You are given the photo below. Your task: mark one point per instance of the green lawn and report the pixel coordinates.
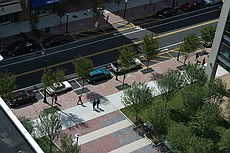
(45, 145)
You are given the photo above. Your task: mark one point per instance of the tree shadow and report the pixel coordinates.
(155, 75)
(70, 120)
(178, 116)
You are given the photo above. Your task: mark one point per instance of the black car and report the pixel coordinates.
(54, 40)
(22, 47)
(98, 75)
(21, 97)
(166, 12)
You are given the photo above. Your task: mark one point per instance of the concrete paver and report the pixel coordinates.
(104, 131)
(132, 146)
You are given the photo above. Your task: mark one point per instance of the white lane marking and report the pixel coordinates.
(94, 42)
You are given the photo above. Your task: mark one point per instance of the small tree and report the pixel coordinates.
(118, 2)
(216, 89)
(49, 125)
(159, 118)
(83, 67)
(68, 145)
(34, 21)
(179, 138)
(190, 44)
(207, 35)
(7, 84)
(224, 144)
(169, 83)
(137, 97)
(150, 47)
(205, 120)
(49, 77)
(193, 98)
(126, 59)
(61, 9)
(196, 74)
(197, 144)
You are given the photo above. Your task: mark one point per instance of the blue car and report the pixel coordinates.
(98, 75)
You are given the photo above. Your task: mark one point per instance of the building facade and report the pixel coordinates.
(20, 10)
(220, 53)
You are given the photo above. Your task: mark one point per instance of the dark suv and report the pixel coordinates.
(54, 40)
(22, 97)
(98, 75)
(166, 12)
(22, 47)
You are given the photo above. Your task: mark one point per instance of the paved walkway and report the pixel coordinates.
(107, 129)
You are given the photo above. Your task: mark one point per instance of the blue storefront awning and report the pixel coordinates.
(39, 3)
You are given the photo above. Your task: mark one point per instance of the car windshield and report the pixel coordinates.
(57, 86)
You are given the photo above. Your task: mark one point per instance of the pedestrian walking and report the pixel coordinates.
(203, 62)
(107, 19)
(55, 98)
(94, 104)
(197, 56)
(98, 103)
(80, 100)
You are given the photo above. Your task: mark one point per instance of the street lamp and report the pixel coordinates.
(126, 2)
(77, 135)
(44, 53)
(67, 22)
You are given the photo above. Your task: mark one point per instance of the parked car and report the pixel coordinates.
(22, 47)
(54, 41)
(190, 6)
(21, 97)
(98, 75)
(118, 68)
(58, 88)
(211, 2)
(166, 12)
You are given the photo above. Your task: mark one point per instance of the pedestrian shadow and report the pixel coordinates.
(69, 119)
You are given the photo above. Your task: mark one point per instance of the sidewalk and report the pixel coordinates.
(107, 129)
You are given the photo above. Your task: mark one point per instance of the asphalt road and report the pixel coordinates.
(103, 49)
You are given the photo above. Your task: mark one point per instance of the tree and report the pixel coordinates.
(207, 35)
(83, 67)
(197, 144)
(34, 21)
(126, 59)
(7, 84)
(179, 138)
(61, 9)
(118, 2)
(190, 44)
(159, 118)
(168, 84)
(49, 125)
(98, 9)
(216, 89)
(68, 145)
(49, 77)
(224, 144)
(205, 120)
(150, 47)
(195, 74)
(137, 97)
(193, 98)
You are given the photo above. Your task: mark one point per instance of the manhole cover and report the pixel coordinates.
(85, 13)
(74, 16)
